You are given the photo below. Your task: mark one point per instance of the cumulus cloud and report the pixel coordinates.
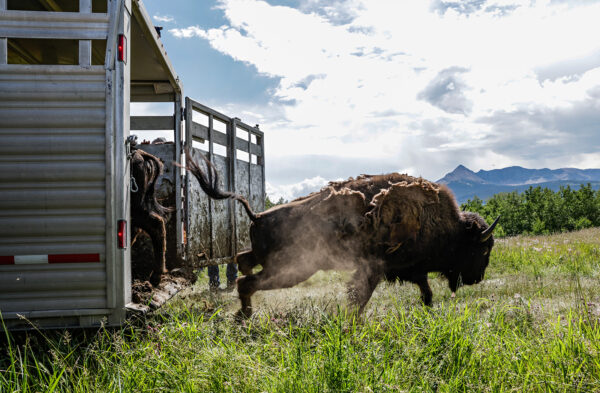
(466, 7)
(290, 192)
(188, 32)
(463, 6)
(297, 167)
(572, 68)
(163, 18)
(545, 134)
(417, 85)
(337, 12)
(447, 91)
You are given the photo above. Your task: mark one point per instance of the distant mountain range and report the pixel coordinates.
(466, 184)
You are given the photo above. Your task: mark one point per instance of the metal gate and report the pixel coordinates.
(217, 230)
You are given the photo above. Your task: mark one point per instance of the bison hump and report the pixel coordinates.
(344, 209)
(396, 212)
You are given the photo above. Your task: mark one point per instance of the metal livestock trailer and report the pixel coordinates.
(68, 72)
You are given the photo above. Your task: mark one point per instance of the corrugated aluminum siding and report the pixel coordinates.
(52, 187)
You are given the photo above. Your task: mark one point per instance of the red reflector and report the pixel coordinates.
(122, 234)
(7, 260)
(122, 49)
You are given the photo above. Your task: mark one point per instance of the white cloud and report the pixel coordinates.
(352, 79)
(152, 109)
(188, 32)
(291, 191)
(163, 18)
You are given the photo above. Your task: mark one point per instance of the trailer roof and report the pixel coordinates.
(153, 77)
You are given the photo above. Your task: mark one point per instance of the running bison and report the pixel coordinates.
(146, 212)
(390, 226)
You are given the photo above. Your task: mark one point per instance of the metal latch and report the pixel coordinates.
(130, 141)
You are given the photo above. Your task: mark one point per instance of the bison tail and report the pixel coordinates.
(247, 207)
(209, 182)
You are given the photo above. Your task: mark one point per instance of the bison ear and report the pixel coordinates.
(485, 235)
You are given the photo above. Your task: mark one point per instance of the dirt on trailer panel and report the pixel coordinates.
(143, 295)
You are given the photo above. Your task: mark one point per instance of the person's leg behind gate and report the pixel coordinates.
(213, 277)
(231, 273)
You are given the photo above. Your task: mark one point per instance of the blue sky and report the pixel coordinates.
(344, 87)
(209, 76)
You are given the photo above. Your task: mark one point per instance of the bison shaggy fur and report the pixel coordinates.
(147, 213)
(392, 227)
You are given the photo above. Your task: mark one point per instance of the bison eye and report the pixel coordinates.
(486, 251)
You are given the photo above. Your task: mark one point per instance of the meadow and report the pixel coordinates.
(533, 325)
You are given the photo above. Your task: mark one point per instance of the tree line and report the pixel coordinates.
(540, 210)
(269, 203)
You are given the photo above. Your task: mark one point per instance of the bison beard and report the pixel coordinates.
(390, 226)
(146, 212)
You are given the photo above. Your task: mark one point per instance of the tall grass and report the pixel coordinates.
(532, 325)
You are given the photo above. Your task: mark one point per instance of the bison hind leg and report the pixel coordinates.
(268, 279)
(246, 286)
(246, 260)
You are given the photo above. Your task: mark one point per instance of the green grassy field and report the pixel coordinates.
(532, 325)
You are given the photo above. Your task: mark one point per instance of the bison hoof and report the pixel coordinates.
(244, 313)
(155, 279)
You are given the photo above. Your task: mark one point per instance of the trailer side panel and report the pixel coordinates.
(52, 190)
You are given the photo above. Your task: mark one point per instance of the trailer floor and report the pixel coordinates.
(144, 295)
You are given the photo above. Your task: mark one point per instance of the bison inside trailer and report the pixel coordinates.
(69, 70)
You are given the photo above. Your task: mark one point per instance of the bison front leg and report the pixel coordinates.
(426, 294)
(360, 289)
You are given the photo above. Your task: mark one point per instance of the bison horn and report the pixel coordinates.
(485, 235)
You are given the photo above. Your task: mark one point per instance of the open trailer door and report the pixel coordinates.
(217, 230)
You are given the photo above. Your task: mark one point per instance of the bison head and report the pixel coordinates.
(474, 251)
